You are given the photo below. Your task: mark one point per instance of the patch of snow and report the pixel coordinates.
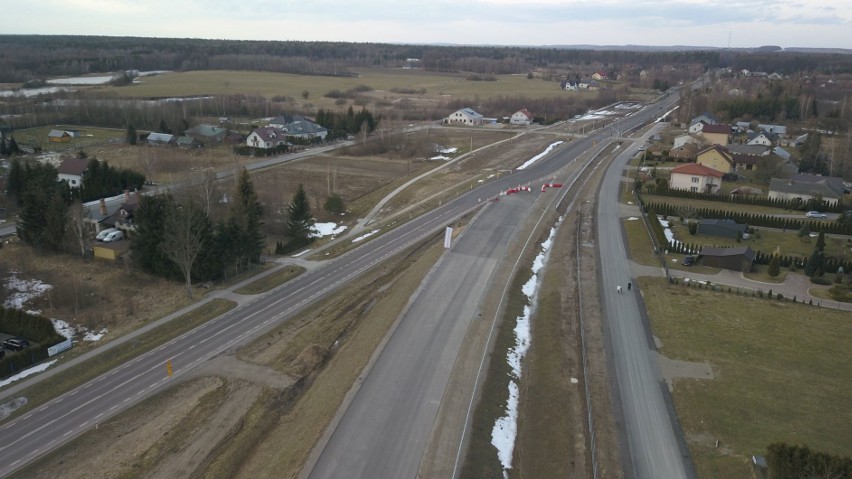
(11, 406)
(505, 429)
(327, 229)
(574, 380)
(440, 157)
(63, 328)
(632, 218)
(364, 236)
(668, 231)
(27, 372)
(492, 175)
(539, 156)
(299, 253)
(94, 336)
(448, 151)
(21, 291)
(31, 92)
(99, 80)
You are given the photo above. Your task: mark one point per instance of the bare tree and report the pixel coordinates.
(183, 236)
(76, 220)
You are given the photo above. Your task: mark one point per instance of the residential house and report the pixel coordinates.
(465, 116)
(207, 134)
(746, 162)
(684, 152)
(806, 187)
(681, 140)
(584, 83)
(761, 138)
(521, 117)
(716, 134)
(282, 121)
(739, 258)
(568, 85)
(779, 130)
(696, 127)
(705, 117)
(742, 126)
(187, 142)
(723, 228)
(72, 170)
(59, 136)
(746, 192)
(266, 137)
(160, 139)
(753, 150)
(305, 130)
(599, 75)
(696, 178)
(716, 157)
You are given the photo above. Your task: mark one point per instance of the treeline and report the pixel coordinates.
(178, 239)
(787, 461)
(349, 123)
(792, 204)
(100, 180)
(33, 56)
(46, 218)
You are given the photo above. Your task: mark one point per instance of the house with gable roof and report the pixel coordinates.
(72, 170)
(761, 138)
(716, 134)
(706, 117)
(716, 157)
(696, 178)
(465, 116)
(266, 137)
(805, 187)
(207, 133)
(521, 117)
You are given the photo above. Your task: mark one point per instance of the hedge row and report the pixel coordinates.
(751, 219)
(38, 330)
(793, 462)
(813, 204)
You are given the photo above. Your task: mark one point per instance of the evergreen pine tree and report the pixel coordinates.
(300, 221)
(774, 266)
(247, 215)
(131, 135)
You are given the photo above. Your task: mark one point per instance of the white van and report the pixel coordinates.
(116, 235)
(103, 234)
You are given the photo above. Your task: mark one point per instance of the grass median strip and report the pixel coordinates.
(271, 281)
(71, 378)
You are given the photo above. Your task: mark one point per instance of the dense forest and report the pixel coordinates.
(28, 57)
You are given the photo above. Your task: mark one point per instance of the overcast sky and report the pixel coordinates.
(718, 23)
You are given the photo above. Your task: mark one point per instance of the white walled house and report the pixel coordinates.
(465, 116)
(696, 178)
(521, 117)
(71, 170)
(266, 137)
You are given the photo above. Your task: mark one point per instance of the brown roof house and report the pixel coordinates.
(72, 170)
(739, 258)
(716, 134)
(696, 178)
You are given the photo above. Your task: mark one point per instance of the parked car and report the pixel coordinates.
(688, 260)
(15, 344)
(816, 214)
(116, 235)
(103, 234)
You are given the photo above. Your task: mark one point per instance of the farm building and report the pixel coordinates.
(723, 228)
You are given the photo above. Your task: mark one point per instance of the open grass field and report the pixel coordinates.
(781, 374)
(381, 80)
(89, 137)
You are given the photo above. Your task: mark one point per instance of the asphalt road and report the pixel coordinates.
(387, 426)
(60, 420)
(652, 441)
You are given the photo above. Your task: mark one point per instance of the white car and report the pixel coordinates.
(116, 235)
(816, 214)
(103, 234)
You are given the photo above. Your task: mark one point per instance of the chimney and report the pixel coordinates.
(127, 196)
(136, 197)
(103, 207)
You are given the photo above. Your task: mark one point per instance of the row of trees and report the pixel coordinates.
(661, 188)
(349, 123)
(786, 461)
(177, 238)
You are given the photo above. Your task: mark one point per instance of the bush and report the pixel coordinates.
(820, 280)
(334, 204)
